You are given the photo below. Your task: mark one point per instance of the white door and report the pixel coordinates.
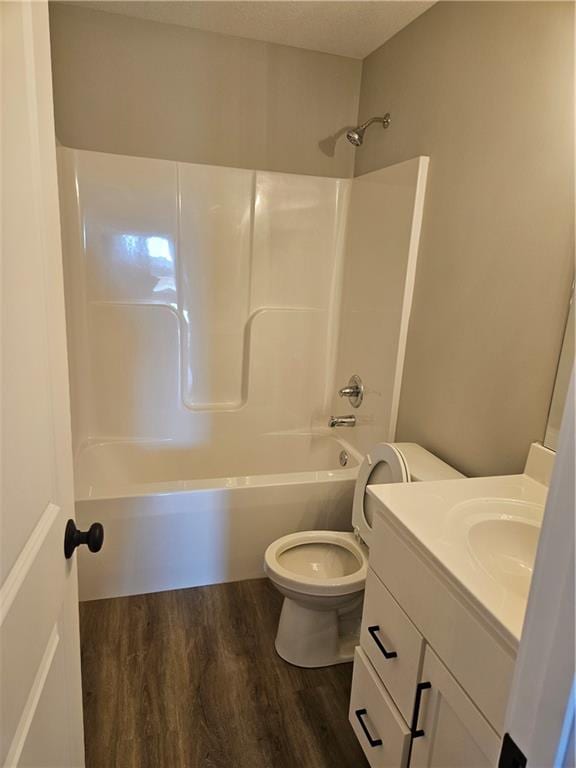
(455, 735)
(40, 692)
(541, 716)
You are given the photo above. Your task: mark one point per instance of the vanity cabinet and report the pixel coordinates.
(481, 660)
(406, 707)
(430, 679)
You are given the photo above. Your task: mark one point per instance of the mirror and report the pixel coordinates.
(563, 372)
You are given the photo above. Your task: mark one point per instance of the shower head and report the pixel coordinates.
(356, 135)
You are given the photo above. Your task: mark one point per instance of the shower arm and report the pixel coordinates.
(384, 120)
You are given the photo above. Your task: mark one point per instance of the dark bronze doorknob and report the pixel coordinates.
(93, 537)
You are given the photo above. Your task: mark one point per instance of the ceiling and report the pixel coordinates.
(344, 27)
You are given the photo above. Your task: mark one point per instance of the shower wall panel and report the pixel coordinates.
(199, 297)
(383, 232)
(294, 241)
(215, 207)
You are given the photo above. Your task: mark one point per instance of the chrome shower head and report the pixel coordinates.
(356, 135)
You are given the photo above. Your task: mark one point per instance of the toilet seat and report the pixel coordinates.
(321, 585)
(384, 464)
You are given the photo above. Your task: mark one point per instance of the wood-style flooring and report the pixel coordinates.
(190, 679)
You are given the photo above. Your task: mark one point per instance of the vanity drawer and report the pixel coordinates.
(379, 727)
(387, 630)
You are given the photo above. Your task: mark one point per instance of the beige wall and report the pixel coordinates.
(128, 86)
(485, 89)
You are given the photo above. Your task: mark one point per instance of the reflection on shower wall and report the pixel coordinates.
(200, 299)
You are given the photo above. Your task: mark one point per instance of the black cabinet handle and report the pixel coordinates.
(416, 732)
(387, 654)
(373, 742)
(93, 538)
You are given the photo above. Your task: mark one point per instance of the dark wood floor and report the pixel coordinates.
(190, 679)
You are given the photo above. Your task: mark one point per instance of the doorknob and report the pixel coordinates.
(93, 537)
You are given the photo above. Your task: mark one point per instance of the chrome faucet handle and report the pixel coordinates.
(349, 391)
(354, 390)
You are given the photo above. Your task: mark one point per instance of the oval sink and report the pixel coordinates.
(506, 550)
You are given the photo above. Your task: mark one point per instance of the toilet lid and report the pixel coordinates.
(383, 464)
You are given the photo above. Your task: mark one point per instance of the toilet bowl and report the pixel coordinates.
(322, 574)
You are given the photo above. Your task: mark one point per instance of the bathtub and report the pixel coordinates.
(179, 516)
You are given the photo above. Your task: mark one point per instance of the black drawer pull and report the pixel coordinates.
(418, 732)
(387, 654)
(373, 742)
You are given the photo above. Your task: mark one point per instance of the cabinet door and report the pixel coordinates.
(455, 734)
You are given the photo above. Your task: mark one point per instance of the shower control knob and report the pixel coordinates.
(349, 391)
(354, 391)
(93, 538)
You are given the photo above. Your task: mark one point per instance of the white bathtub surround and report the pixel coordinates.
(204, 306)
(540, 463)
(322, 573)
(202, 297)
(198, 297)
(380, 260)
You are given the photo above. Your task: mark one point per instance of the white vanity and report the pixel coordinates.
(449, 574)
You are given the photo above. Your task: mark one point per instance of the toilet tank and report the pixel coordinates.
(424, 466)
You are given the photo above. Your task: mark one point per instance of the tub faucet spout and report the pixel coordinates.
(342, 421)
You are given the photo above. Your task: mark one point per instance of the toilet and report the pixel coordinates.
(322, 573)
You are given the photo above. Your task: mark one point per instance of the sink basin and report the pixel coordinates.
(501, 537)
(506, 549)
(482, 532)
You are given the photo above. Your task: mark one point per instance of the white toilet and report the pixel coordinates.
(322, 573)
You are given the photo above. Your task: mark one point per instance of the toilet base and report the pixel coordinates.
(308, 637)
